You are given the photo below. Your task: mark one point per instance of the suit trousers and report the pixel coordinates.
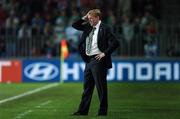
(95, 74)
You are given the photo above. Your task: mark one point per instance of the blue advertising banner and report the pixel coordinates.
(146, 70)
(41, 70)
(123, 70)
(129, 70)
(72, 70)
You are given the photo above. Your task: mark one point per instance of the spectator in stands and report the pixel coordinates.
(37, 24)
(24, 37)
(139, 46)
(37, 27)
(12, 21)
(111, 19)
(46, 50)
(48, 29)
(11, 25)
(128, 35)
(59, 28)
(148, 27)
(146, 20)
(74, 16)
(72, 34)
(2, 15)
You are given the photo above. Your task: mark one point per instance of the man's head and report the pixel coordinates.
(94, 16)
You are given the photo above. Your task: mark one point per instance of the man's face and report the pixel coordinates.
(93, 20)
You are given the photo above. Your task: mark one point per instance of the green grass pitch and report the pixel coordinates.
(126, 101)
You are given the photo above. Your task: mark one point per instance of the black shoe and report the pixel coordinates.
(79, 114)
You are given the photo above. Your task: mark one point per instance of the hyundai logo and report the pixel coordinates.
(41, 71)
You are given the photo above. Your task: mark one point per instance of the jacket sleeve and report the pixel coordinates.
(80, 25)
(113, 42)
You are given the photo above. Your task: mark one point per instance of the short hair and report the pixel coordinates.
(95, 12)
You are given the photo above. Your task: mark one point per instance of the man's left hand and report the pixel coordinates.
(99, 56)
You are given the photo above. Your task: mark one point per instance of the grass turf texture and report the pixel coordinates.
(126, 101)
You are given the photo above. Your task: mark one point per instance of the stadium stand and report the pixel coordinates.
(34, 28)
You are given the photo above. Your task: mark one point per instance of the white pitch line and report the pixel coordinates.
(46, 103)
(20, 116)
(29, 93)
(43, 104)
(23, 114)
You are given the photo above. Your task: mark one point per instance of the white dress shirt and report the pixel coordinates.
(94, 47)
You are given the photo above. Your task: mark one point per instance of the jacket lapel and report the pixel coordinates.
(84, 36)
(100, 32)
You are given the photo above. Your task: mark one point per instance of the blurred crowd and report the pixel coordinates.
(36, 27)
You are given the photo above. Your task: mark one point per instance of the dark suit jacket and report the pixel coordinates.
(107, 42)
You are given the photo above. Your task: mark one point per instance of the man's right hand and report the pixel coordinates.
(85, 17)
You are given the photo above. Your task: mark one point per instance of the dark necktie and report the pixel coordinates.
(89, 41)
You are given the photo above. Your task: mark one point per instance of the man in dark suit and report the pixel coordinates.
(96, 46)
